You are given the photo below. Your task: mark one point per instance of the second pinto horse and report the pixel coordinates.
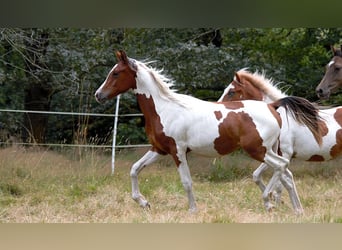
(296, 140)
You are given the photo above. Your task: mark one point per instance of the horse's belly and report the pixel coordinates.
(203, 144)
(311, 151)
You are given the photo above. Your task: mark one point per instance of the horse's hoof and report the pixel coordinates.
(193, 210)
(146, 206)
(299, 211)
(269, 208)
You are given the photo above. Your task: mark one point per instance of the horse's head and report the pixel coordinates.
(241, 89)
(332, 79)
(120, 79)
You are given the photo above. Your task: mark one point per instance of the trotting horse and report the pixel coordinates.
(176, 124)
(332, 80)
(296, 140)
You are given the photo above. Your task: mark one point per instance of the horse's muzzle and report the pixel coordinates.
(100, 97)
(322, 94)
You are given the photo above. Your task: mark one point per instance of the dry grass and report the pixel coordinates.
(39, 185)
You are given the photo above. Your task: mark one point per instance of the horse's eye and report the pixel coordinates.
(231, 93)
(337, 69)
(115, 74)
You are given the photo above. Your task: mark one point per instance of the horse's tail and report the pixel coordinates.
(304, 112)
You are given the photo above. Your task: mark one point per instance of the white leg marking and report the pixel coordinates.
(147, 159)
(280, 173)
(278, 189)
(289, 184)
(257, 176)
(185, 176)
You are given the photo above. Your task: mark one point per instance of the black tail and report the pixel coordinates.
(304, 112)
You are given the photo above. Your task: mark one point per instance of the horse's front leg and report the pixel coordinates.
(147, 159)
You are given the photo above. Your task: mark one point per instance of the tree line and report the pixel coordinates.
(59, 69)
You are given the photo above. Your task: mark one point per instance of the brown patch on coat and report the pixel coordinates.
(161, 143)
(233, 105)
(316, 158)
(238, 130)
(275, 114)
(218, 115)
(337, 148)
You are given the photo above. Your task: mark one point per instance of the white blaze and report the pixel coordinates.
(331, 63)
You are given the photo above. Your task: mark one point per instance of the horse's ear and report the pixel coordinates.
(118, 55)
(121, 56)
(237, 77)
(333, 50)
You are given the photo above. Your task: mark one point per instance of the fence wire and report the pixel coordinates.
(113, 146)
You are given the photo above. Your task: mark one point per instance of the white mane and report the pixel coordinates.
(162, 82)
(266, 85)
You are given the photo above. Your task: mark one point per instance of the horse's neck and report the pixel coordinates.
(153, 109)
(152, 100)
(147, 106)
(269, 92)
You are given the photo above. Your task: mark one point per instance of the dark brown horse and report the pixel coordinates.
(332, 80)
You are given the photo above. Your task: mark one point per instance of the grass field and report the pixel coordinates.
(41, 185)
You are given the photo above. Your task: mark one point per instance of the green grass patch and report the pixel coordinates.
(235, 166)
(11, 189)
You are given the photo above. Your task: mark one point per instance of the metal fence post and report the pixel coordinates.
(116, 117)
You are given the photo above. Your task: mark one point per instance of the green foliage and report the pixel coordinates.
(200, 61)
(10, 189)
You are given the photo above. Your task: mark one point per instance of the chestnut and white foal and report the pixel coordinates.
(176, 124)
(296, 140)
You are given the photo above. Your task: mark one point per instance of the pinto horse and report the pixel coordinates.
(332, 80)
(177, 124)
(296, 140)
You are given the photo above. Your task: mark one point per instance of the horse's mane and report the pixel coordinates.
(266, 85)
(163, 83)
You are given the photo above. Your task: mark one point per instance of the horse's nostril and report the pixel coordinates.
(98, 96)
(319, 91)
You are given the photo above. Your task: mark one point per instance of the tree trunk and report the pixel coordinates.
(38, 92)
(36, 98)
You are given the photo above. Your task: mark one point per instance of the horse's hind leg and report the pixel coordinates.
(289, 184)
(281, 173)
(257, 178)
(147, 159)
(278, 164)
(185, 176)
